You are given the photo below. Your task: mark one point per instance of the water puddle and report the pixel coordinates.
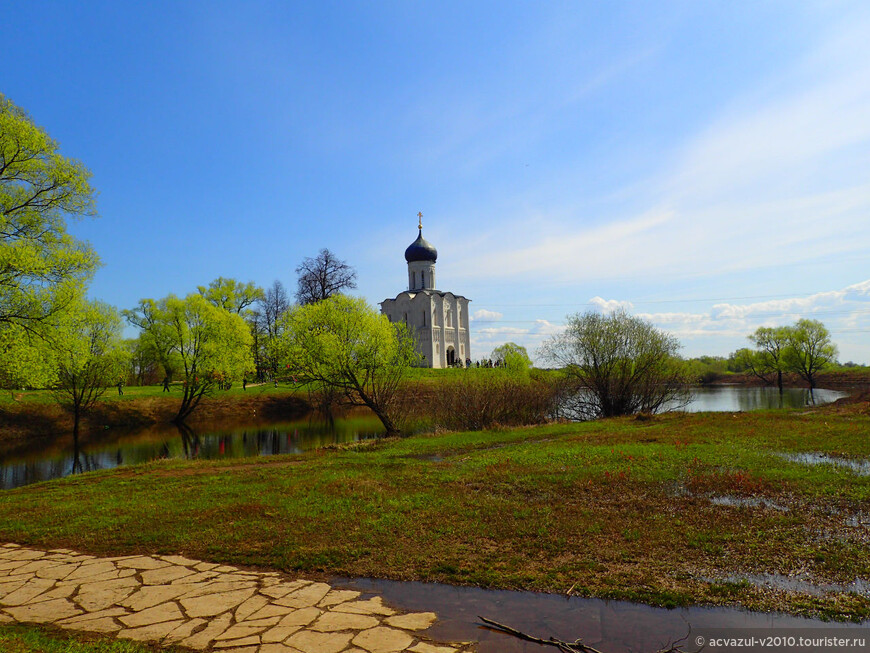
(747, 502)
(427, 457)
(860, 466)
(803, 583)
(610, 626)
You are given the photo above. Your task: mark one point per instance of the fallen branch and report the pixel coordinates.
(577, 646)
(566, 647)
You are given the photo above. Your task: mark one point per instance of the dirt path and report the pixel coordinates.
(201, 605)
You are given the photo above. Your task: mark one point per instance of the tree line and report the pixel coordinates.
(52, 336)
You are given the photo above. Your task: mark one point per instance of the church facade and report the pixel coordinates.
(438, 320)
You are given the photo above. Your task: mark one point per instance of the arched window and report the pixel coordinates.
(422, 279)
(424, 318)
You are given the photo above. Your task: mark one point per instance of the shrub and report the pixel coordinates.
(497, 398)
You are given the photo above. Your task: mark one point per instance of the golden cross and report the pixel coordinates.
(420, 220)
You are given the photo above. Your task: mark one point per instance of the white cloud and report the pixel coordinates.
(845, 312)
(722, 328)
(483, 314)
(609, 305)
(485, 340)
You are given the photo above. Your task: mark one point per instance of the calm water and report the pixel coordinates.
(221, 441)
(737, 398)
(611, 626)
(242, 441)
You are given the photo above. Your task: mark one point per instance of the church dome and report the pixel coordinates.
(421, 250)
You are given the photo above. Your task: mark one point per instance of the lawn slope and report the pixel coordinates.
(619, 508)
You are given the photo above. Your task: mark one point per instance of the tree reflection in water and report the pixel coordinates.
(190, 442)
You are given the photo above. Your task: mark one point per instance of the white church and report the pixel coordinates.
(438, 320)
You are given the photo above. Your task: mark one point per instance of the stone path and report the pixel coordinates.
(175, 600)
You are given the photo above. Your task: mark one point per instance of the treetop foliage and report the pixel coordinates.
(43, 269)
(804, 348)
(232, 295)
(513, 356)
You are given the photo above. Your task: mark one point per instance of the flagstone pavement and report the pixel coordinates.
(201, 605)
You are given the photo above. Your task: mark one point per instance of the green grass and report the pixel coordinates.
(616, 508)
(20, 638)
(134, 392)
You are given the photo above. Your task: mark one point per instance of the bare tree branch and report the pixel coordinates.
(322, 277)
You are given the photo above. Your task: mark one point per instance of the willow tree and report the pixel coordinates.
(772, 344)
(157, 337)
(620, 365)
(342, 344)
(89, 356)
(231, 294)
(210, 345)
(43, 269)
(512, 356)
(809, 349)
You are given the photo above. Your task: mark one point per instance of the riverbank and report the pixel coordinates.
(855, 381)
(675, 510)
(32, 416)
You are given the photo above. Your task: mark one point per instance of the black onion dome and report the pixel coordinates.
(421, 250)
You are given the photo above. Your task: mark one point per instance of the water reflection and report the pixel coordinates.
(858, 466)
(67, 456)
(739, 398)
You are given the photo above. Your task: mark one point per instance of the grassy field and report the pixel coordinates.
(616, 509)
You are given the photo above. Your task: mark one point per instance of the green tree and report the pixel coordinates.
(752, 361)
(619, 364)
(231, 295)
(341, 344)
(705, 369)
(144, 369)
(512, 356)
(771, 343)
(90, 356)
(157, 337)
(211, 345)
(809, 350)
(43, 269)
(26, 360)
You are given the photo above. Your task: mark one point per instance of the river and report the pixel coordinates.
(114, 448)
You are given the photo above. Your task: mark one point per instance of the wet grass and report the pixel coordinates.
(614, 509)
(20, 638)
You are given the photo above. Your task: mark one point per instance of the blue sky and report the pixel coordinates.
(703, 164)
